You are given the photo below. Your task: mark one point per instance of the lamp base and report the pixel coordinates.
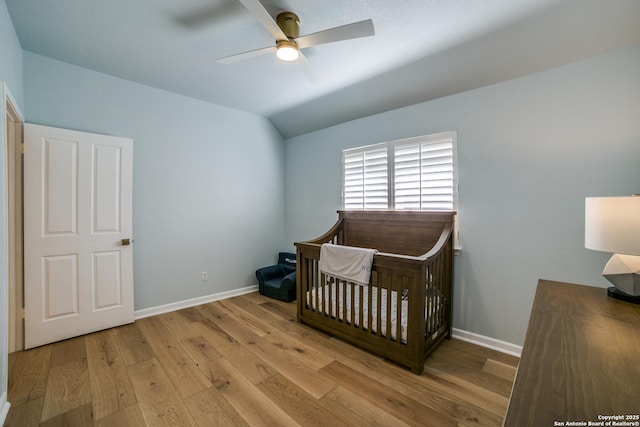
(614, 292)
(623, 271)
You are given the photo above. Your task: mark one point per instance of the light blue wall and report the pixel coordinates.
(208, 181)
(10, 55)
(529, 150)
(11, 75)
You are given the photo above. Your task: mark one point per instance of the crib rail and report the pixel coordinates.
(403, 312)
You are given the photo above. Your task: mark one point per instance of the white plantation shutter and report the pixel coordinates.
(411, 174)
(424, 173)
(365, 180)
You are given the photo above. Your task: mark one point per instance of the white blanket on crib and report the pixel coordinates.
(347, 262)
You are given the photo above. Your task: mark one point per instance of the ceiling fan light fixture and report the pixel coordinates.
(287, 50)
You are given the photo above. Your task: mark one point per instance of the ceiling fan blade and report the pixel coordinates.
(345, 32)
(261, 14)
(307, 68)
(245, 55)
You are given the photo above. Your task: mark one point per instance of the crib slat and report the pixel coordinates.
(433, 292)
(316, 291)
(399, 311)
(434, 286)
(352, 303)
(388, 314)
(394, 302)
(436, 289)
(310, 282)
(379, 310)
(372, 285)
(438, 286)
(343, 288)
(429, 300)
(331, 294)
(361, 307)
(313, 281)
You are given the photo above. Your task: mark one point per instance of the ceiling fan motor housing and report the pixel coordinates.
(289, 23)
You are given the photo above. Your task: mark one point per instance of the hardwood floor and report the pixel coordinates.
(245, 361)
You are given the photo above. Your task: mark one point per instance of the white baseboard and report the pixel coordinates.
(4, 408)
(152, 311)
(492, 343)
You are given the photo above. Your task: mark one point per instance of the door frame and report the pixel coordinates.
(14, 120)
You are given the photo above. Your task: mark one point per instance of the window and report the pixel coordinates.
(410, 174)
(366, 180)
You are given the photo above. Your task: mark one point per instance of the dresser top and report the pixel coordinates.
(580, 361)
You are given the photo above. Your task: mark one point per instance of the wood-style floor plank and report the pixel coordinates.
(358, 411)
(111, 388)
(254, 297)
(466, 361)
(499, 369)
(470, 392)
(405, 408)
(298, 349)
(159, 402)
(67, 351)
(255, 324)
(210, 409)
(273, 312)
(299, 404)
(133, 345)
(25, 415)
(246, 398)
(28, 379)
(222, 318)
(80, 416)
(130, 416)
(191, 314)
(471, 372)
(199, 349)
(251, 366)
(180, 368)
(246, 361)
(68, 388)
(280, 309)
(178, 325)
(293, 366)
(434, 393)
(459, 345)
(262, 312)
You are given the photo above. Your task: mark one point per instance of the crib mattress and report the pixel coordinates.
(337, 300)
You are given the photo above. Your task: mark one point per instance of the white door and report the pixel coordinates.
(78, 264)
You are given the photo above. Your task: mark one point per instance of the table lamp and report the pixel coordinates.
(612, 224)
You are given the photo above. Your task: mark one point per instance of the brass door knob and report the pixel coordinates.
(126, 242)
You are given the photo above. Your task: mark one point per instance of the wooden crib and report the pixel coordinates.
(408, 299)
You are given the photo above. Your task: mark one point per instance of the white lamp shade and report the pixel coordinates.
(612, 224)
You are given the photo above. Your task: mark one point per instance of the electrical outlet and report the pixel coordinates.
(203, 276)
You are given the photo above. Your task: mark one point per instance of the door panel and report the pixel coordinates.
(60, 176)
(106, 189)
(77, 210)
(60, 286)
(107, 286)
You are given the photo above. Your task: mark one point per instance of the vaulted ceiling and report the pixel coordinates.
(422, 49)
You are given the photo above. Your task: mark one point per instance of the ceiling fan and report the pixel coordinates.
(285, 29)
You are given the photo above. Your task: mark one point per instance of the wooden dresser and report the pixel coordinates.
(580, 361)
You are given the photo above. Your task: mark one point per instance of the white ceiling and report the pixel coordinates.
(423, 49)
